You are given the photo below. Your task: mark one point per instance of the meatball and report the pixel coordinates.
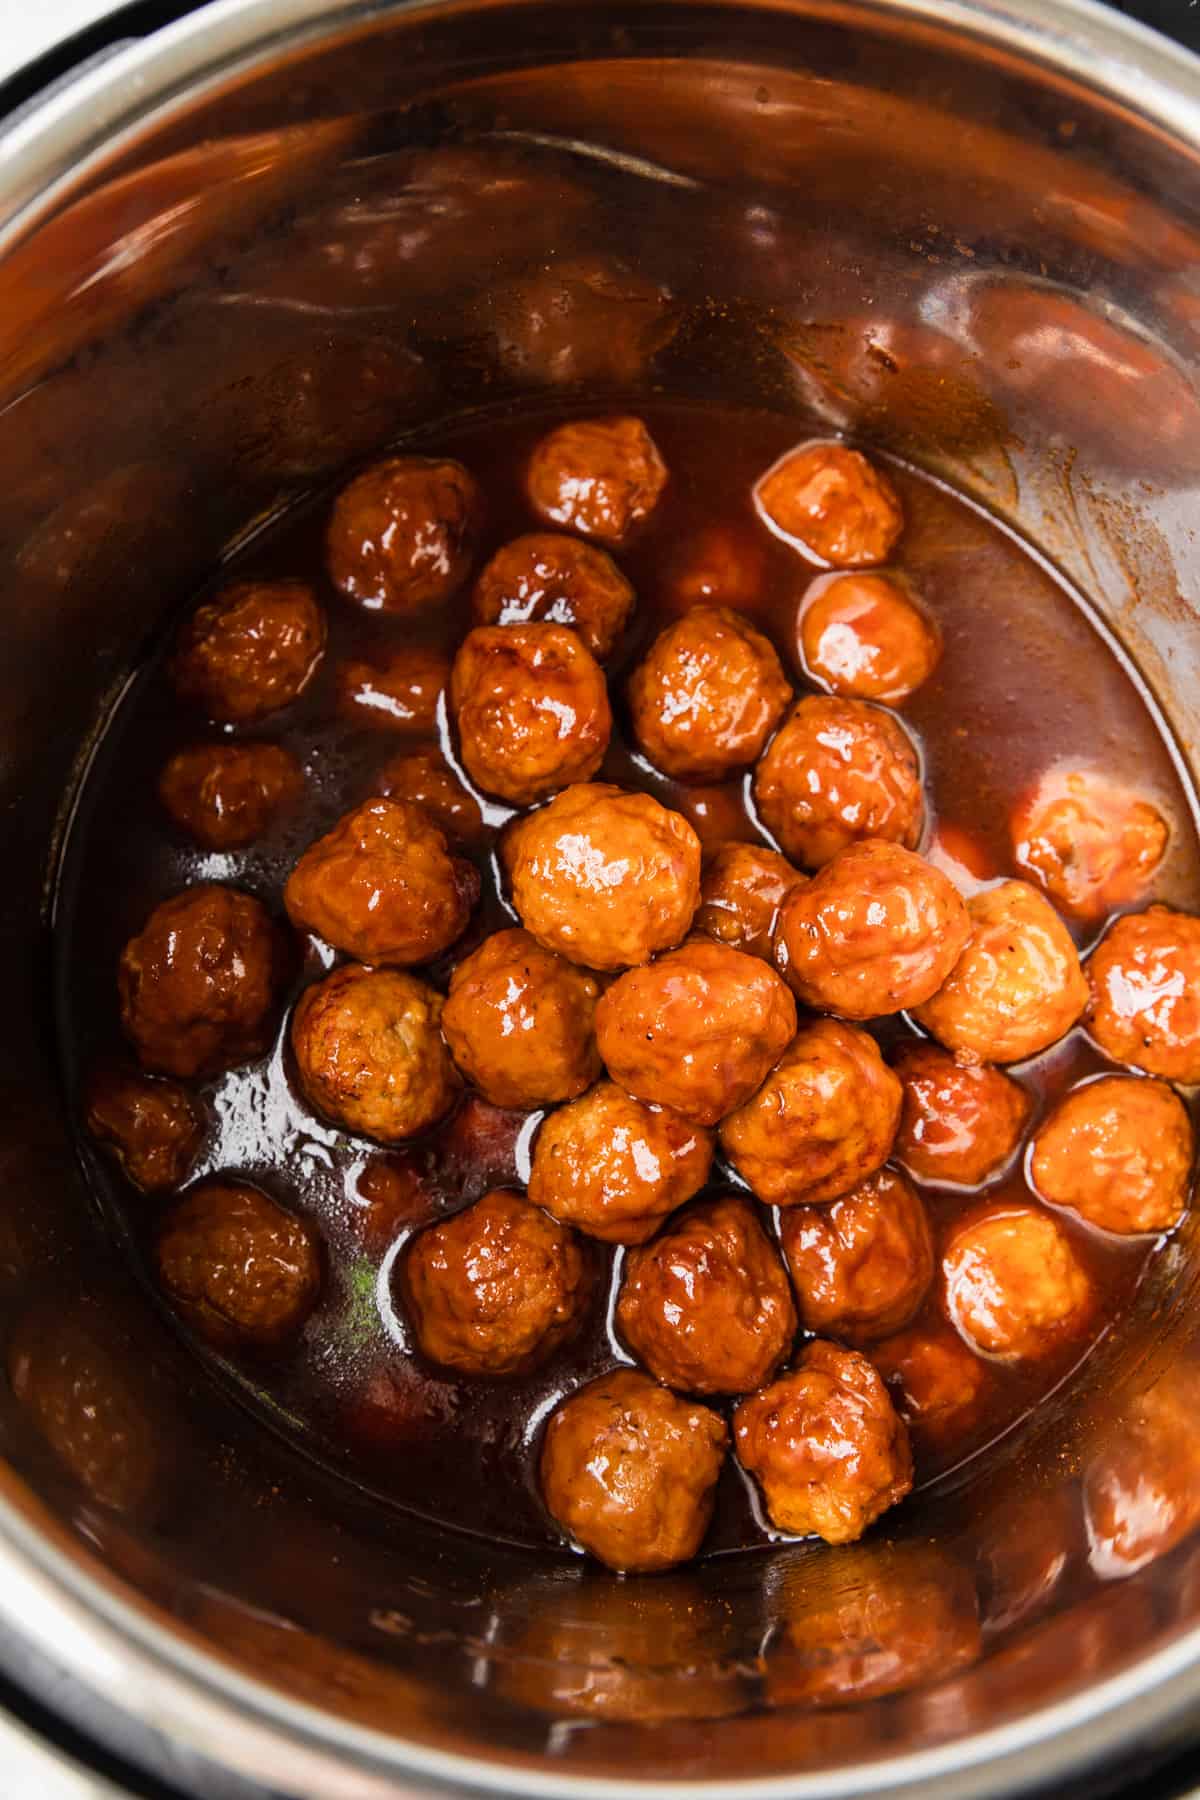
(496, 1289)
(531, 705)
(707, 695)
(238, 1268)
(1017, 987)
(830, 502)
(721, 565)
(252, 649)
(864, 635)
(1093, 846)
(1119, 1152)
(154, 1126)
(519, 1022)
(877, 930)
(823, 1120)
(825, 1445)
(399, 692)
(1014, 1287)
(630, 1471)
(936, 1383)
(742, 889)
(198, 984)
(960, 1124)
(861, 1266)
(401, 535)
(838, 771)
(548, 577)
(369, 1052)
(1144, 1008)
(226, 795)
(599, 477)
(706, 1306)
(382, 887)
(606, 878)
(614, 1166)
(425, 778)
(697, 1030)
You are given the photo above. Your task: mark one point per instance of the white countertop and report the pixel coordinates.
(28, 28)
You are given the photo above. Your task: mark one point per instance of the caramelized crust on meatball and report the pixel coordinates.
(838, 771)
(861, 1266)
(830, 502)
(519, 1021)
(401, 535)
(252, 649)
(742, 888)
(154, 1127)
(237, 1267)
(1119, 1152)
(1014, 1287)
(549, 577)
(865, 635)
(936, 1383)
(960, 1124)
(1144, 978)
(425, 778)
(707, 695)
(226, 795)
(531, 705)
(398, 692)
(599, 477)
(1091, 845)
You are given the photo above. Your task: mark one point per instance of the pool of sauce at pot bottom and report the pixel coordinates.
(1026, 680)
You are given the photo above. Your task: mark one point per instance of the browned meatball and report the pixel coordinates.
(1091, 845)
(1014, 1287)
(1017, 987)
(425, 778)
(707, 695)
(1119, 1152)
(250, 650)
(226, 795)
(832, 503)
(198, 984)
(861, 1266)
(398, 692)
(401, 535)
(706, 1306)
(866, 636)
(696, 1030)
(1144, 978)
(742, 889)
(519, 1021)
(531, 705)
(838, 771)
(936, 1383)
(630, 1472)
(496, 1289)
(719, 565)
(382, 887)
(599, 477)
(825, 1445)
(960, 1124)
(823, 1120)
(876, 931)
(237, 1267)
(369, 1052)
(606, 878)
(615, 1167)
(550, 577)
(153, 1126)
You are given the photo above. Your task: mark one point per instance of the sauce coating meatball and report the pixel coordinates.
(599, 477)
(519, 1021)
(199, 982)
(531, 705)
(862, 1265)
(823, 1120)
(696, 1030)
(835, 772)
(606, 878)
(830, 502)
(742, 888)
(1144, 979)
(825, 1445)
(369, 1052)
(226, 795)
(425, 778)
(1014, 1287)
(936, 1383)
(721, 565)
(1091, 845)
(237, 1267)
(865, 636)
(547, 576)
(630, 1471)
(153, 1126)
(1017, 987)
(401, 535)
(876, 931)
(707, 1306)
(250, 650)
(382, 887)
(960, 1124)
(707, 695)
(1119, 1152)
(398, 692)
(496, 1289)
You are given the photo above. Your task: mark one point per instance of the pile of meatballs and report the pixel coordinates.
(660, 1007)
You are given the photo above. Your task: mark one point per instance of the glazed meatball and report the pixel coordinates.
(237, 1267)
(706, 1306)
(838, 771)
(1144, 1009)
(1119, 1152)
(615, 1167)
(250, 650)
(198, 984)
(557, 580)
(153, 1126)
(876, 931)
(1017, 987)
(630, 1471)
(742, 889)
(425, 778)
(865, 635)
(1014, 1287)
(696, 1030)
(604, 877)
(960, 1124)
(398, 692)
(825, 1445)
(707, 695)
(823, 1120)
(382, 887)
(369, 1052)
(721, 565)
(936, 1383)
(496, 1289)
(862, 1265)
(531, 705)
(599, 477)
(519, 1021)
(1091, 845)
(226, 795)
(402, 534)
(830, 502)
